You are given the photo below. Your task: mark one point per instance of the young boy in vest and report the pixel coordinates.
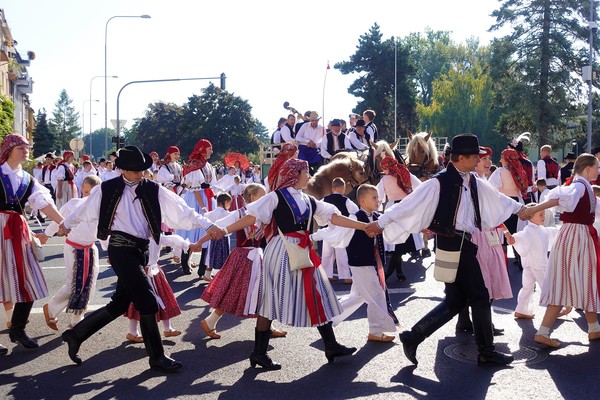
(330, 254)
(547, 167)
(368, 284)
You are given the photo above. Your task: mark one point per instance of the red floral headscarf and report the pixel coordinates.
(9, 142)
(289, 174)
(399, 171)
(516, 169)
(488, 151)
(288, 150)
(170, 150)
(197, 159)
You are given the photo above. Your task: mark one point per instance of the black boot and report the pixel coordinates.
(259, 355)
(185, 259)
(19, 319)
(464, 324)
(430, 323)
(202, 266)
(332, 348)
(395, 264)
(154, 346)
(83, 330)
(484, 336)
(3, 350)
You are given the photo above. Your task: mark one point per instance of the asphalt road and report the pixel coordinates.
(113, 368)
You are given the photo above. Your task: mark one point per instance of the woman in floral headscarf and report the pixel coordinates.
(288, 150)
(21, 278)
(198, 178)
(396, 184)
(303, 297)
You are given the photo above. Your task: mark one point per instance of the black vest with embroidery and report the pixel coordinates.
(68, 174)
(7, 205)
(361, 250)
(341, 142)
(451, 189)
(338, 200)
(284, 215)
(146, 192)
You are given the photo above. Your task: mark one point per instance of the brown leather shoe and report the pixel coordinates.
(134, 339)
(518, 315)
(277, 333)
(51, 322)
(381, 337)
(211, 333)
(171, 333)
(545, 340)
(594, 335)
(348, 281)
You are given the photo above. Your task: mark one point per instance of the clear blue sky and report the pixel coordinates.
(270, 51)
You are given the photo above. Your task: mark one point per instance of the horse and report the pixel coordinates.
(343, 165)
(422, 157)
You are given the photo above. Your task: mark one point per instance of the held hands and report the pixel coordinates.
(526, 213)
(62, 231)
(372, 229)
(42, 237)
(196, 247)
(509, 238)
(216, 233)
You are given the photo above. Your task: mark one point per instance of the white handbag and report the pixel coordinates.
(38, 250)
(298, 257)
(446, 264)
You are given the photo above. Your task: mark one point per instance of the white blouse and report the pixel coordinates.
(40, 196)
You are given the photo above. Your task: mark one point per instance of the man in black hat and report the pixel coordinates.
(359, 139)
(130, 209)
(567, 170)
(334, 141)
(451, 205)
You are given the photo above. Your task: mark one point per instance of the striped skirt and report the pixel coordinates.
(281, 291)
(32, 286)
(190, 199)
(571, 275)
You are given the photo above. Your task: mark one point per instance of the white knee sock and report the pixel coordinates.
(207, 273)
(212, 320)
(167, 325)
(9, 314)
(76, 318)
(543, 331)
(133, 327)
(593, 327)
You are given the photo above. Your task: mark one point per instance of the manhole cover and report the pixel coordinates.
(467, 352)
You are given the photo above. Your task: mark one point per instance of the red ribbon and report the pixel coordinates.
(209, 196)
(86, 260)
(594, 234)
(16, 229)
(312, 296)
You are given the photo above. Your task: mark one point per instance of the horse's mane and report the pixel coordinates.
(418, 145)
(383, 148)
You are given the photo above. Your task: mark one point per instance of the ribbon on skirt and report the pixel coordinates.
(594, 234)
(312, 296)
(16, 229)
(381, 276)
(80, 291)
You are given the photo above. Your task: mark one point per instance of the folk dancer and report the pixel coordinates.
(131, 224)
(63, 179)
(548, 168)
(309, 140)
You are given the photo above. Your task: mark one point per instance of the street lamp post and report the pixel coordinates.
(106, 73)
(91, 82)
(593, 25)
(153, 81)
(83, 114)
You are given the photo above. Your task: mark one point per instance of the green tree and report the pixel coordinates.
(224, 119)
(546, 49)
(43, 139)
(158, 129)
(261, 132)
(374, 62)
(430, 55)
(64, 123)
(7, 116)
(98, 142)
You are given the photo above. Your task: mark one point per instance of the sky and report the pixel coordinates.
(270, 51)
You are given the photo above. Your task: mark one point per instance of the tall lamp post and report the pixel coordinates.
(106, 73)
(91, 82)
(593, 26)
(83, 114)
(221, 77)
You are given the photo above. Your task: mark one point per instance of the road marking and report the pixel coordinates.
(391, 291)
(63, 267)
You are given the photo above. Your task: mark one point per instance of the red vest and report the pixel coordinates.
(552, 167)
(583, 213)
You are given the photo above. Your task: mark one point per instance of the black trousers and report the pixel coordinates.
(129, 256)
(468, 288)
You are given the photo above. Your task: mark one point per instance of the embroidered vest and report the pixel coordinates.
(330, 144)
(451, 189)
(146, 192)
(361, 248)
(68, 173)
(338, 200)
(49, 170)
(15, 201)
(552, 167)
(284, 216)
(584, 211)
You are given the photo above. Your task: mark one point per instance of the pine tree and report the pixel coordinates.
(43, 139)
(64, 123)
(7, 116)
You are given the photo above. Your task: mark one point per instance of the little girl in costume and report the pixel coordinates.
(218, 249)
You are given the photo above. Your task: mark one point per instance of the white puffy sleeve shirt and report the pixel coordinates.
(40, 196)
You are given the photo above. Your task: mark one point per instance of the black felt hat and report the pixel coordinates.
(466, 144)
(570, 156)
(131, 158)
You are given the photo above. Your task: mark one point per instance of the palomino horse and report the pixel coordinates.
(343, 165)
(422, 156)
